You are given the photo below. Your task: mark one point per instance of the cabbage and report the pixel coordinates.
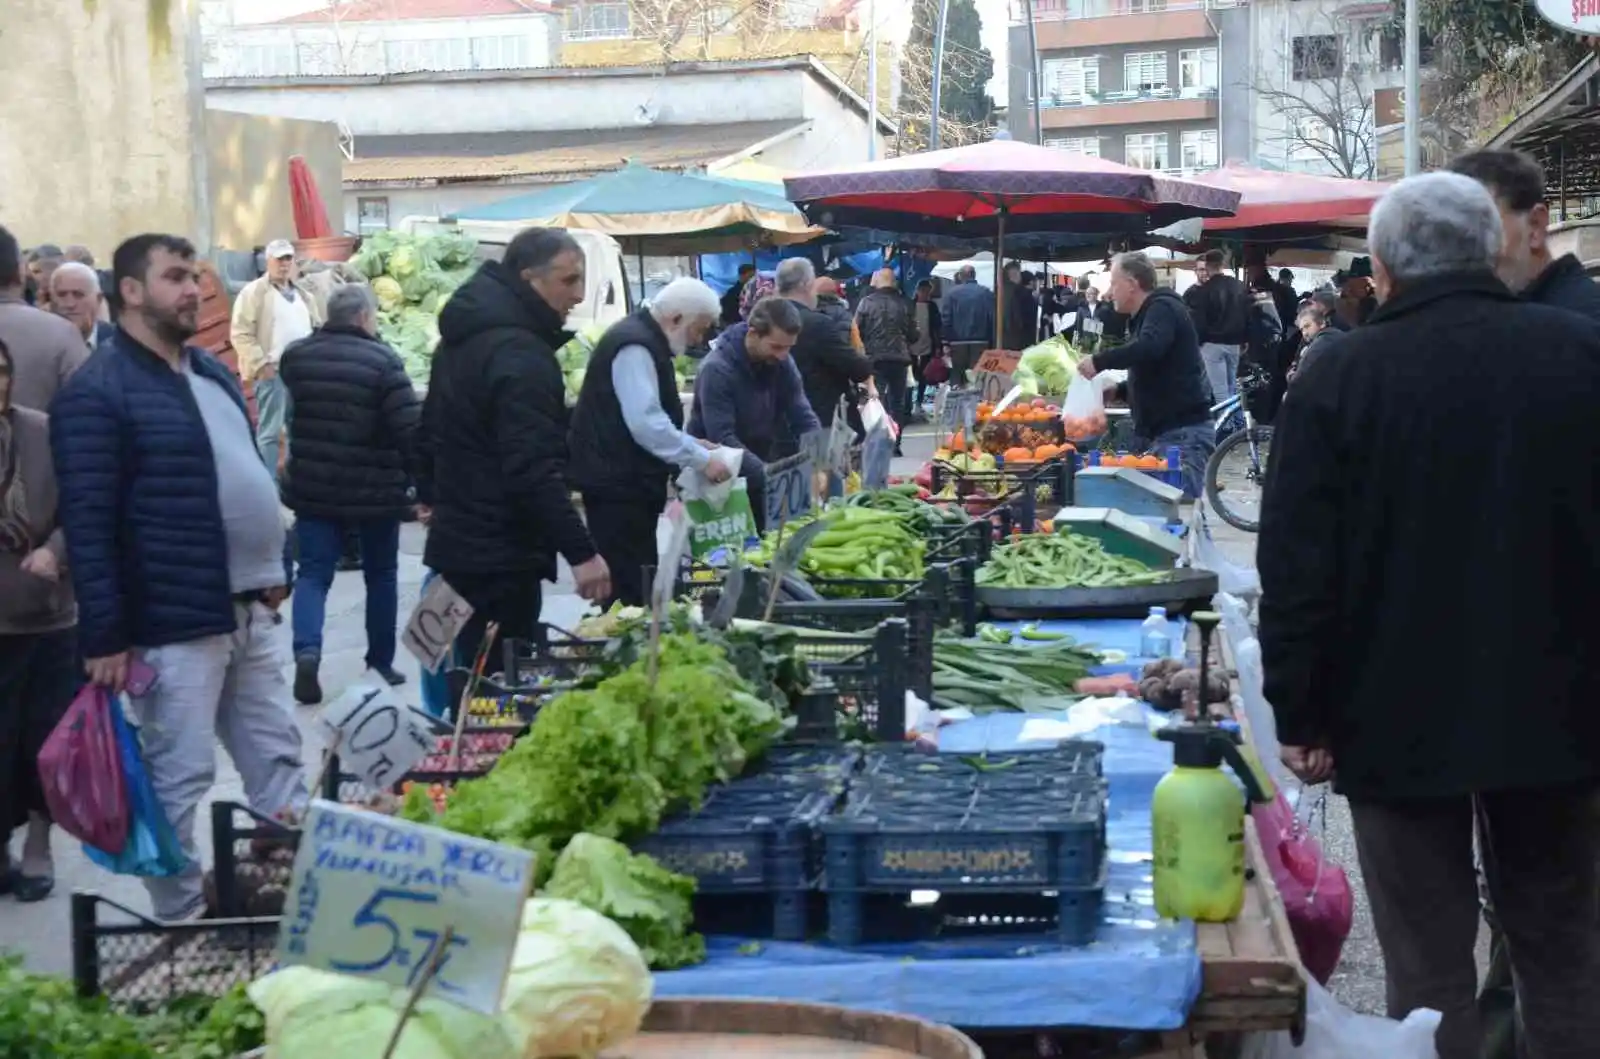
(578, 983)
(652, 904)
(454, 249)
(1050, 364)
(388, 292)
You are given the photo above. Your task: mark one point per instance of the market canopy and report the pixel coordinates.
(1291, 202)
(1003, 186)
(647, 209)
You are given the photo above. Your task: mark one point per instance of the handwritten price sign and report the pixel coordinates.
(439, 618)
(789, 486)
(373, 895)
(378, 738)
(992, 374)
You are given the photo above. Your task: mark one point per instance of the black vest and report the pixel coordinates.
(604, 461)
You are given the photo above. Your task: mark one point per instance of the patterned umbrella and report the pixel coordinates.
(1272, 199)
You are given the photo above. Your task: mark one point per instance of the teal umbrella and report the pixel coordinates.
(666, 213)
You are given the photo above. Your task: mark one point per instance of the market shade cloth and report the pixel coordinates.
(971, 192)
(1269, 198)
(310, 215)
(648, 209)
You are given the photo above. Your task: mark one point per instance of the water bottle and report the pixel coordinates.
(1155, 635)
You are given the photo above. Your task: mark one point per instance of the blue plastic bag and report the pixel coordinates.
(152, 848)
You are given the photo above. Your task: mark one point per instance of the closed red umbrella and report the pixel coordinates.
(310, 215)
(1268, 198)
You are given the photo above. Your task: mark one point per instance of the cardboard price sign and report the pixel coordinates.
(992, 374)
(440, 615)
(379, 897)
(377, 738)
(789, 488)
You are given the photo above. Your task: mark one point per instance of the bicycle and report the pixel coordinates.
(1237, 469)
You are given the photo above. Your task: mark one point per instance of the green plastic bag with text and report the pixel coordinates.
(729, 526)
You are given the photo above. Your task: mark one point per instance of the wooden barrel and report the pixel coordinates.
(723, 1029)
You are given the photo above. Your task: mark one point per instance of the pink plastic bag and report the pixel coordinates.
(80, 768)
(1316, 892)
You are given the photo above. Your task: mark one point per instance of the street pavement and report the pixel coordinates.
(41, 932)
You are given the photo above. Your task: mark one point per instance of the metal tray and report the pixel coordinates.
(1185, 588)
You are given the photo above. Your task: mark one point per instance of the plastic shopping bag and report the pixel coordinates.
(713, 526)
(1316, 892)
(80, 768)
(152, 848)
(1083, 412)
(937, 370)
(1333, 1031)
(874, 418)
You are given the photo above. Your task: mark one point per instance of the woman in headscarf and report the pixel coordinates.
(39, 667)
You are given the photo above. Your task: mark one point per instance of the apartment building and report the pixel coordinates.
(1134, 81)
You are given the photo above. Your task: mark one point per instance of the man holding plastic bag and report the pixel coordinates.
(627, 431)
(1167, 388)
(748, 394)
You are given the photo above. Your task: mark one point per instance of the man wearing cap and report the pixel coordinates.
(271, 312)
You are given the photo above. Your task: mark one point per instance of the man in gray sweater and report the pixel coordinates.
(45, 348)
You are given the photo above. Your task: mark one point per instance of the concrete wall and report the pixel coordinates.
(545, 100)
(429, 202)
(248, 161)
(99, 134)
(1236, 97)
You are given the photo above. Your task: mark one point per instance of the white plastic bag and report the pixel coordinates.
(1083, 413)
(694, 485)
(1333, 1031)
(1242, 581)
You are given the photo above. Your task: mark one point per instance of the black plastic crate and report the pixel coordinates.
(141, 963)
(873, 680)
(974, 541)
(252, 861)
(1047, 487)
(1071, 915)
(1072, 761)
(822, 767)
(754, 843)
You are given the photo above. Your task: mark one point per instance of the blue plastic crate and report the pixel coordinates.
(1068, 762)
(963, 837)
(1071, 914)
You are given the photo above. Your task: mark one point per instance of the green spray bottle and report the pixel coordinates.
(1197, 813)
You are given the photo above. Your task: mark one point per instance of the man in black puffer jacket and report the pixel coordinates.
(494, 429)
(351, 444)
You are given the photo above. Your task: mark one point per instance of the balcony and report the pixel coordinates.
(1122, 23)
(1128, 108)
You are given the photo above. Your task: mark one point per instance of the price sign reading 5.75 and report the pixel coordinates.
(375, 896)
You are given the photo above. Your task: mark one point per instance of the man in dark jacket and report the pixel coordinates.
(1220, 306)
(1167, 390)
(494, 428)
(729, 305)
(928, 344)
(829, 363)
(177, 552)
(627, 431)
(968, 311)
(1517, 184)
(1022, 309)
(1357, 579)
(352, 442)
(888, 327)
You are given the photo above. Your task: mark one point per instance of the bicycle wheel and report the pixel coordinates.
(1235, 475)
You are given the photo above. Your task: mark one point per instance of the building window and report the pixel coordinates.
(1197, 68)
(1317, 57)
(499, 53)
(1145, 150)
(597, 20)
(1071, 81)
(372, 215)
(1089, 145)
(1199, 147)
(1144, 71)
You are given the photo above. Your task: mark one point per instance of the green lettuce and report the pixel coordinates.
(654, 905)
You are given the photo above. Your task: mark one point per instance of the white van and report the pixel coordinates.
(607, 297)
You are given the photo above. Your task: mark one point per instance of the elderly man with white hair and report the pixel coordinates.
(75, 297)
(627, 434)
(1432, 487)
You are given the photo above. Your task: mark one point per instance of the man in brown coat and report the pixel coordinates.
(46, 348)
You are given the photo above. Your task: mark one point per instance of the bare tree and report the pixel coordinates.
(684, 29)
(915, 104)
(1326, 103)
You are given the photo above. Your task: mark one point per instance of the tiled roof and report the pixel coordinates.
(549, 157)
(401, 10)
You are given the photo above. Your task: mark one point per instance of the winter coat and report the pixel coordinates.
(750, 406)
(1221, 310)
(253, 322)
(352, 438)
(137, 482)
(1367, 580)
(1566, 285)
(1167, 386)
(829, 364)
(495, 435)
(888, 326)
(968, 310)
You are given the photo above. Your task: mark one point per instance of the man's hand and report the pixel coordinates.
(110, 672)
(273, 597)
(268, 372)
(1312, 764)
(1087, 369)
(594, 580)
(717, 472)
(42, 563)
(424, 514)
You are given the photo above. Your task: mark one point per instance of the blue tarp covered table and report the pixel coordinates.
(1139, 974)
